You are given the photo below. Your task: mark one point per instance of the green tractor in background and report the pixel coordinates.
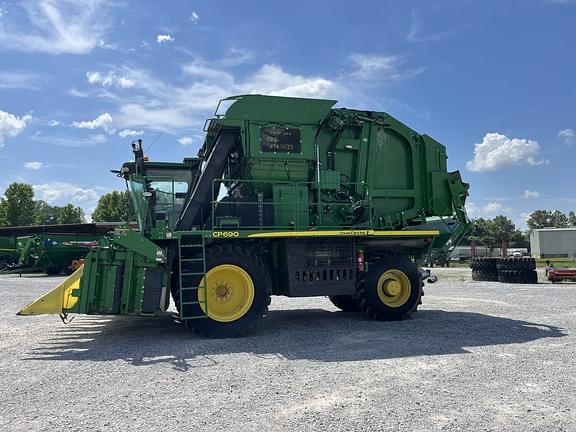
(8, 252)
(50, 249)
(52, 254)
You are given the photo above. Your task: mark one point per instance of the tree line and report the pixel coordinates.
(551, 219)
(493, 232)
(19, 207)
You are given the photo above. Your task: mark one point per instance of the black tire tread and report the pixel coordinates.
(484, 263)
(370, 309)
(518, 276)
(345, 303)
(485, 275)
(511, 263)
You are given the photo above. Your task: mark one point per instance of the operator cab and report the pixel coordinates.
(158, 189)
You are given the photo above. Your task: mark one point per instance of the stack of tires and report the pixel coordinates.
(517, 270)
(484, 269)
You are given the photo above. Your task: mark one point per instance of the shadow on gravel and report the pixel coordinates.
(312, 334)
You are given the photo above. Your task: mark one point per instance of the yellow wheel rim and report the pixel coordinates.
(230, 293)
(394, 288)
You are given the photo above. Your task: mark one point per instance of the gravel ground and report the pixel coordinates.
(477, 356)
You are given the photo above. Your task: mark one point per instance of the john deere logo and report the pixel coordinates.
(225, 234)
(353, 233)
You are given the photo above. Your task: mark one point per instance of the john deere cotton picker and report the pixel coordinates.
(287, 196)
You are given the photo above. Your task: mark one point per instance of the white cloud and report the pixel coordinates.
(164, 107)
(195, 18)
(198, 69)
(185, 141)
(235, 57)
(369, 67)
(497, 151)
(20, 79)
(109, 79)
(489, 210)
(107, 45)
(156, 119)
(53, 123)
(160, 105)
(495, 207)
(34, 166)
(59, 193)
(55, 26)
(273, 80)
(531, 194)
(77, 93)
(130, 133)
(566, 135)
(471, 209)
(163, 38)
(103, 121)
(89, 141)
(11, 125)
(415, 31)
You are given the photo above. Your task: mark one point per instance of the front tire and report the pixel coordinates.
(390, 290)
(238, 294)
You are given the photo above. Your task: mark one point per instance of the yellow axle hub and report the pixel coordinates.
(230, 293)
(394, 288)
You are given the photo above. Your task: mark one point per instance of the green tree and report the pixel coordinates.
(540, 219)
(18, 208)
(519, 240)
(114, 207)
(46, 214)
(571, 218)
(499, 230)
(478, 230)
(559, 219)
(70, 215)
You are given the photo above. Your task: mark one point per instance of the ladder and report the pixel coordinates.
(192, 276)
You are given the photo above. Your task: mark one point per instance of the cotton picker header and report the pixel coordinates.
(287, 196)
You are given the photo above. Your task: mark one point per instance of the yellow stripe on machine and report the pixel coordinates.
(57, 300)
(347, 233)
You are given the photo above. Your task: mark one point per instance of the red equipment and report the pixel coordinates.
(558, 275)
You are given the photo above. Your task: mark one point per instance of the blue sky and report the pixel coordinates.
(492, 80)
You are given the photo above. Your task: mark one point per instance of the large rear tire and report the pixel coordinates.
(345, 303)
(518, 276)
(238, 289)
(390, 290)
(484, 263)
(524, 263)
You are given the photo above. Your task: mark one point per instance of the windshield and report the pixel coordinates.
(158, 199)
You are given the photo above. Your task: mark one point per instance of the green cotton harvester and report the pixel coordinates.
(287, 196)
